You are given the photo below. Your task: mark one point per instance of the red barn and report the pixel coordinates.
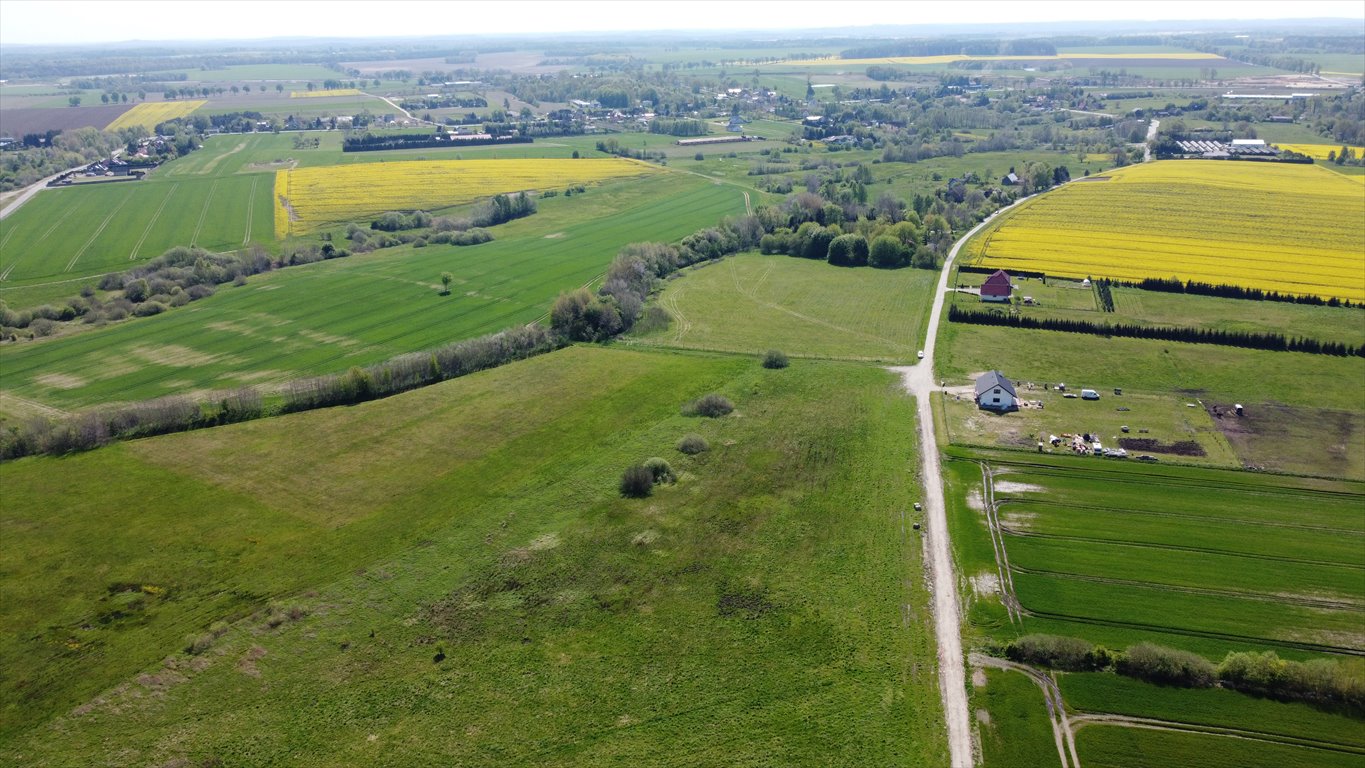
(997, 287)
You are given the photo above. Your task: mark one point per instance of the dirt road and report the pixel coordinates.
(1151, 137)
(919, 382)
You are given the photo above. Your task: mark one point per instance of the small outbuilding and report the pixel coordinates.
(997, 287)
(994, 392)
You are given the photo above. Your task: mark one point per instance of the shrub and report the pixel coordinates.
(1166, 666)
(774, 359)
(848, 251)
(1069, 653)
(888, 253)
(149, 308)
(637, 482)
(660, 470)
(693, 445)
(42, 327)
(711, 406)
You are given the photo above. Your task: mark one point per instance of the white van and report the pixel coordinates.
(1089, 394)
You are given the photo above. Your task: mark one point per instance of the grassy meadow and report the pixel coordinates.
(329, 316)
(750, 303)
(459, 560)
(1288, 228)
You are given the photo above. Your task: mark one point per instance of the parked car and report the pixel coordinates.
(921, 354)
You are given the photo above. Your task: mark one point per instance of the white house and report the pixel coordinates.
(994, 392)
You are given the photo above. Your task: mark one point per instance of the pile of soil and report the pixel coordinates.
(1149, 445)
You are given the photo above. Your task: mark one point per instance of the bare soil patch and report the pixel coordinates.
(17, 122)
(60, 381)
(1151, 445)
(1284, 438)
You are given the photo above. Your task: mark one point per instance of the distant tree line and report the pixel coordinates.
(614, 147)
(951, 47)
(1269, 341)
(372, 143)
(678, 127)
(1324, 683)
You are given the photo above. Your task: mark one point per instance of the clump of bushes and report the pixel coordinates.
(711, 406)
(693, 444)
(1069, 653)
(1167, 666)
(660, 470)
(774, 359)
(637, 482)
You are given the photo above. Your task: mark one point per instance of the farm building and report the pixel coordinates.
(1009, 179)
(997, 287)
(994, 392)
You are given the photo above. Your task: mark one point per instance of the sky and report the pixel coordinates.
(85, 21)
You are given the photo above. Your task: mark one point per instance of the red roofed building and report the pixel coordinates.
(997, 287)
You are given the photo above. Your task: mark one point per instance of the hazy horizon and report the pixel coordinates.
(30, 22)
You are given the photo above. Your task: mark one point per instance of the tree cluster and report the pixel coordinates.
(1223, 290)
(1325, 683)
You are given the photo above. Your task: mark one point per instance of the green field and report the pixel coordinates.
(1108, 746)
(1012, 721)
(1206, 560)
(332, 315)
(750, 303)
(1211, 707)
(765, 610)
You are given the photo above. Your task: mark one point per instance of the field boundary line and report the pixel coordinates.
(1188, 516)
(148, 230)
(204, 212)
(1155, 724)
(1329, 604)
(250, 207)
(1179, 548)
(1336, 650)
(97, 233)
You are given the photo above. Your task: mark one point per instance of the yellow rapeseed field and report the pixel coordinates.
(151, 113)
(324, 93)
(1281, 227)
(1319, 151)
(307, 198)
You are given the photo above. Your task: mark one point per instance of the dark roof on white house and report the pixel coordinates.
(992, 379)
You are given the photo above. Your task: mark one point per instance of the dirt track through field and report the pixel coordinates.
(918, 380)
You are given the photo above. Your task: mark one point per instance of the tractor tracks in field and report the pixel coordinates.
(132, 255)
(204, 212)
(1002, 560)
(1062, 733)
(1130, 721)
(95, 235)
(250, 208)
(1066, 724)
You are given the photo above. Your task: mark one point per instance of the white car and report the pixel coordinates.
(921, 354)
